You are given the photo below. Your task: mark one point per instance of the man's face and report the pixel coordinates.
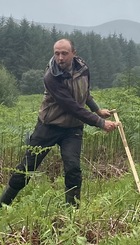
(63, 54)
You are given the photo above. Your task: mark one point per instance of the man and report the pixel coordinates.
(61, 119)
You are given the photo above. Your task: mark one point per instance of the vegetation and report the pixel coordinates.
(8, 88)
(26, 46)
(110, 202)
(32, 82)
(109, 211)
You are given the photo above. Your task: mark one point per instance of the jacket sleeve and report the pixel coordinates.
(63, 97)
(92, 104)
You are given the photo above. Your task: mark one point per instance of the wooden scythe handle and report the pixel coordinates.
(122, 134)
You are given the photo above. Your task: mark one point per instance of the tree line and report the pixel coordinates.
(26, 48)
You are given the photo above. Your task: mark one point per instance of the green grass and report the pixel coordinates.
(109, 213)
(110, 202)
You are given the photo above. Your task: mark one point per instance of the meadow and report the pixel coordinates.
(109, 212)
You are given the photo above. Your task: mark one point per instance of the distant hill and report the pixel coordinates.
(129, 29)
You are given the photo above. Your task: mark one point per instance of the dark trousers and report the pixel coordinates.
(69, 140)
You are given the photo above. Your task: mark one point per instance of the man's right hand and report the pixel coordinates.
(110, 125)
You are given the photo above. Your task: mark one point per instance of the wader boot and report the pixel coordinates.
(8, 195)
(73, 196)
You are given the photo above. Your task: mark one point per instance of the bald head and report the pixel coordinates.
(65, 42)
(64, 52)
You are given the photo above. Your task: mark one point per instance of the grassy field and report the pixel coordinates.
(109, 211)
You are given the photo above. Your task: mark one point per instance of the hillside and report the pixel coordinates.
(129, 29)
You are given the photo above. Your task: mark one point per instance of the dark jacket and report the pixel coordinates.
(66, 96)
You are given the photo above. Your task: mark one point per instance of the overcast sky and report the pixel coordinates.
(72, 12)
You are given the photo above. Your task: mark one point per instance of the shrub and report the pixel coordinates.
(8, 88)
(32, 82)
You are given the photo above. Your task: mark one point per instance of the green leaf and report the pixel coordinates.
(81, 240)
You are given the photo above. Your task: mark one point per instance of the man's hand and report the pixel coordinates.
(110, 125)
(104, 113)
